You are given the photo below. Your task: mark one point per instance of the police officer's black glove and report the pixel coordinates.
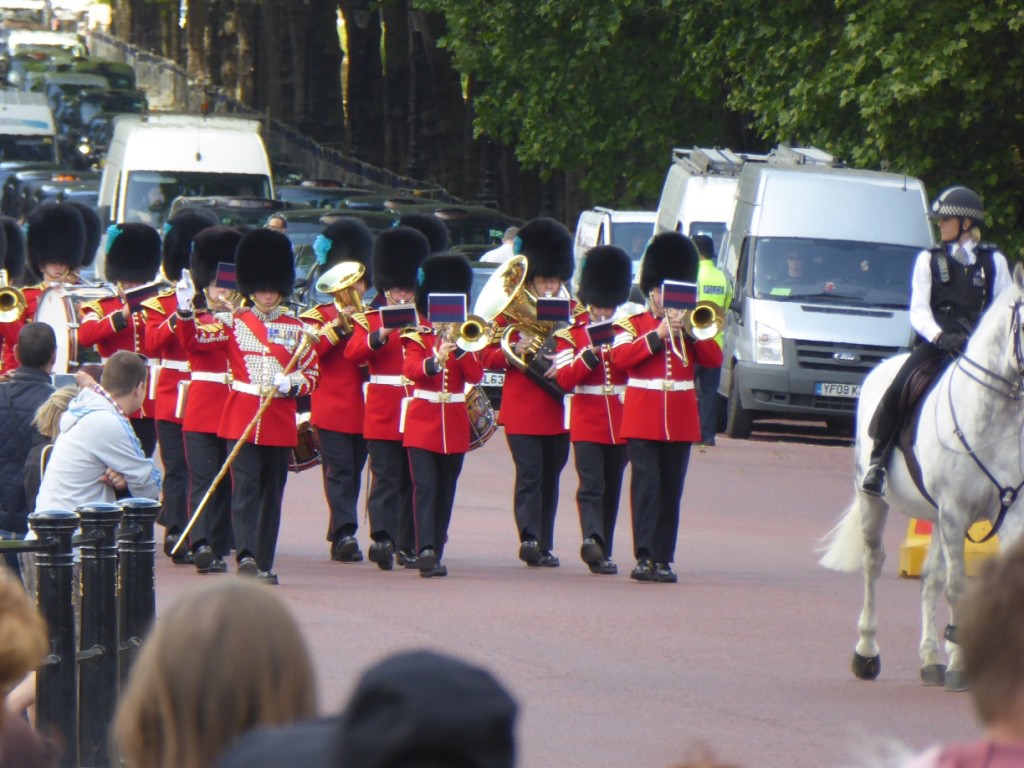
(953, 343)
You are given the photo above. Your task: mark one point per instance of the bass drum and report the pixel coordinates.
(58, 308)
(482, 421)
(306, 453)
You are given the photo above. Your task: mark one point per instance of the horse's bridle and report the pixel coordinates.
(1011, 390)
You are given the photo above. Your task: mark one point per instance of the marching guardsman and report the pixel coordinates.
(169, 367)
(533, 419)
(397, 255)
(337, 409)
(272, 363)
(660, 420)
(595, 390)
(436, 419)
(12, 240)
(116, 323)
(203, 400)
(432, 228)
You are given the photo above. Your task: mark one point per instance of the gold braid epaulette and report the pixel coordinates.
(93, 306)
(154, 303)
(578, 309)
(626, 324)
(413, 334)
(312, 314)
(361, 319)
(566, 335)
(210, 327)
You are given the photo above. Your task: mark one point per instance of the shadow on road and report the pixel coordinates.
(809, 432)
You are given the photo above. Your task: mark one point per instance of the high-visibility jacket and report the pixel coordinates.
(712, 286)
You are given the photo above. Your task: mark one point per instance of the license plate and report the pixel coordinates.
(493, 379)
(835, 389)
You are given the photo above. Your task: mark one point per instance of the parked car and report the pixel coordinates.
(319, 195)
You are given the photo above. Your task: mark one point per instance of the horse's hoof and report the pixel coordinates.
(933, 674)
(956, 680)
(866, 667)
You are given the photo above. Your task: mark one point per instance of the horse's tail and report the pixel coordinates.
(843, 546)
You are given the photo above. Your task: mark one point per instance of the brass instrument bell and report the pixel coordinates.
(12, 301)
(340, 281)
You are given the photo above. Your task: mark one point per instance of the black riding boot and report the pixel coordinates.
(874, 479)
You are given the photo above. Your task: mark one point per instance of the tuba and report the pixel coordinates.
(505, 293)
(340, 281)
(12, 301)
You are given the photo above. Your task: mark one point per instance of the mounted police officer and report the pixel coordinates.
(951, 286)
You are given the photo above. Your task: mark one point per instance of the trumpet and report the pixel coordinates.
(340, 281)
(470, 336)
(12, 301)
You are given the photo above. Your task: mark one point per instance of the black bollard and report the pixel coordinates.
(98, 678)
(136, 576)
(57, 679)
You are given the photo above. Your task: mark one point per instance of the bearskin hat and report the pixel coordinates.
(669, 256)
(133, 253)
(345, 239)
(178, 233)
(264, 262)
(93, 230)
(443, 273)
(56, 235)
(606, 277)
(210, 247)
(547, 246)
(14, 252)
(397, 255)
(431, 226)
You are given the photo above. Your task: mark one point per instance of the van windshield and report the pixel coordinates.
(632, 237)
(839, 271)
(148, 194)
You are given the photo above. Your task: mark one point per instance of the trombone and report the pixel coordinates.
(704, 321)
(12, 301)
(340, 281)
(470, 336)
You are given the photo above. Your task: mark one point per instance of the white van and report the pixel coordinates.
(27, 130)
(629, 230)
(699, 192)
(819, 258)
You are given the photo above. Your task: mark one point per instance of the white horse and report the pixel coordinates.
(969, 449)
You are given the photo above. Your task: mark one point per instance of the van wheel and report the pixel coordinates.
(738, 420)
(722, 413)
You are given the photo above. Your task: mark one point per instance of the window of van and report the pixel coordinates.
(632, 237)
(840, 270)
(149, 193)
(27, 149)
(713, 229)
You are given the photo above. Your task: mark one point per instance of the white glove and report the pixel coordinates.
(185, 291)
(282, 383)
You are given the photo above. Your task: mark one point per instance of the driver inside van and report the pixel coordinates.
(148, 207)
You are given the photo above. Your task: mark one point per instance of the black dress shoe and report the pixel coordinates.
(170, 539)
(605, 567)
(406, 559)
(203, 557)
(529, 552)
(873, 483)
(184, 557)
(644, 570)
(591, 552)
(383, 554)
(426, 560)
(548, 560)
(247, 566)
(217, 566)
(346, 550)
(663, 574)
(267, 577)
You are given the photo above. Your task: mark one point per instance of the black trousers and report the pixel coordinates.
(258, 476)
(145, 430)
(174, 511)
(389, 501)
(342, 458)
(888, 413)
(434, 478)
(539, 461)
(655, 493)
(600, 469)
(206, 455)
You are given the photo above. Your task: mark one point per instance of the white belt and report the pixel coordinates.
(389, 381)
(439, 397)
(174, 365)
(216, 378)
(601, 389)
(252, 389)
(665, 385)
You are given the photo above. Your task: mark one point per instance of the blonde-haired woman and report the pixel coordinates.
(222, 660)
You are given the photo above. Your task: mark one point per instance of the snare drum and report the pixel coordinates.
(58, 308)
(306, 453)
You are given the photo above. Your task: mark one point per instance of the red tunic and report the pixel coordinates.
(436, 418)
(254, 364)
(387, 386)
(660, 401)
(595, 388)
(103, 326)
(165, 351)
(209, 375)
(337, 407)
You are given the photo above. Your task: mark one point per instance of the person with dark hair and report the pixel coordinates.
(271, 364)
(397, 255)
(277, 222)
(337, 411)
(713, 289)
(660, 420)
(27, 389)
(97, 452)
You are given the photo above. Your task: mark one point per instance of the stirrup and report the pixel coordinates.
(873, 483)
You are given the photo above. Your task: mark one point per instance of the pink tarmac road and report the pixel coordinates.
(749, 653)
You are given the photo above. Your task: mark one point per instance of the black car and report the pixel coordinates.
(318, 195)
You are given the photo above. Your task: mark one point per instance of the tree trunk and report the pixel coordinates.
(397, 74)
(363, 89)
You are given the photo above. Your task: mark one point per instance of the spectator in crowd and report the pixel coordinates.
(505, 251)
(222, 660)
(278, 223)
(991, 634)
(27, 389)
(25, 644)
(97, 452)
(416, 709)
(46, 424)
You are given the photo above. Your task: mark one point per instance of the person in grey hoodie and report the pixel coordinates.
(97, 453)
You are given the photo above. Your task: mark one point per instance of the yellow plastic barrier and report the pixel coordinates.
(914, 548)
